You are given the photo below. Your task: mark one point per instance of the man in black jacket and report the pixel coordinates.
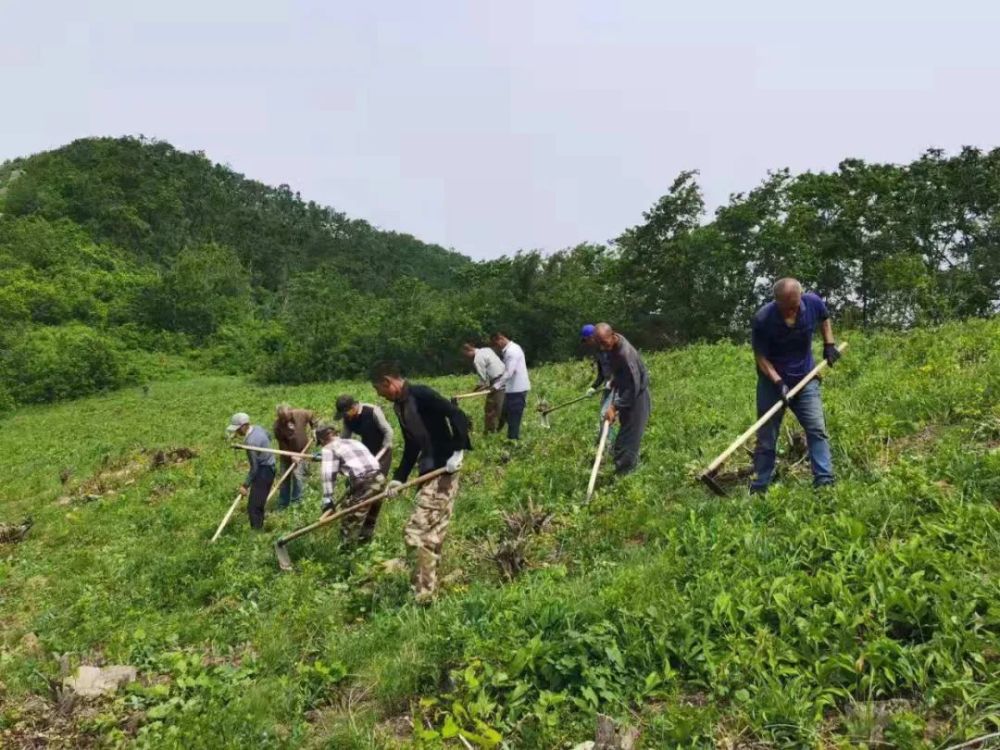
(370, 425)
(435, 434)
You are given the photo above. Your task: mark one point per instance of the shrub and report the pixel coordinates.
(50, 363)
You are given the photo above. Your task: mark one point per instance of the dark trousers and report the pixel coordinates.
(633, 424)
(259, 489)
(513, 410)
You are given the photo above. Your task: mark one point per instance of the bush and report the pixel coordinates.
(51, 363)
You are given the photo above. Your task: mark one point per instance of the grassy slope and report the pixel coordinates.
(786, 621)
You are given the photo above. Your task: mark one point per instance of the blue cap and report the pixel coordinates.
(587, 331)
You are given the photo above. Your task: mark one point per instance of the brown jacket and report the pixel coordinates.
(293, 436)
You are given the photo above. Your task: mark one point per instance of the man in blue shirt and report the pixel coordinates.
(782, 345)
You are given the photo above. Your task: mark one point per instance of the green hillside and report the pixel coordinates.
(866, 616)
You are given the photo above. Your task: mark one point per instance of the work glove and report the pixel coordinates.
(317, 456)
(830, 354)
(454, 462)
(393, 488)
(591, 391)
(327, 505)
(783, 392)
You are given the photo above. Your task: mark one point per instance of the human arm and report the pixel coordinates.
(411, 452)
(384, 426)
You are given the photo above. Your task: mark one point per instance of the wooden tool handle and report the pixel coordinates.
(327, 519)
(768, 414)
(277, 485)
(564, 403)
(275, 451)
(229, 514)
(471, 394)
(605, 428)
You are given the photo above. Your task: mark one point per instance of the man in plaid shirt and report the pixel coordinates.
(364, 478)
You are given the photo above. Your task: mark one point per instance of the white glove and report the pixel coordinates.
(393, 488)
(591, 391)
(454, 463)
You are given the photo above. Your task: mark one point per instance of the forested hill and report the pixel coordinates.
(154, 200)
(126, 260)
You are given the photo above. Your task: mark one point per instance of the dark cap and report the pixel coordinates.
(344, 405)
(322, 432)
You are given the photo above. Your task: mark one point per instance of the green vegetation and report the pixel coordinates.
(868, 615)
(163, 252)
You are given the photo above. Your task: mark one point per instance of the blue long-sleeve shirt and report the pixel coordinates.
(258, 438)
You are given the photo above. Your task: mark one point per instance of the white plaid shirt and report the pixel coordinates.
(348, 457)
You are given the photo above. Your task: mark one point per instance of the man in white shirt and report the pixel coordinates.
(514, 381)
(489, 367)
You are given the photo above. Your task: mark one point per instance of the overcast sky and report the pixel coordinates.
(496, 126)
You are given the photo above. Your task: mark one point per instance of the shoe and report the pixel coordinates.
(424, 598)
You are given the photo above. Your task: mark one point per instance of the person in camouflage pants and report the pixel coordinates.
(426, 530)
(435, 436)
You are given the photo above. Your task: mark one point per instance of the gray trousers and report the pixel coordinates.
(633, 424)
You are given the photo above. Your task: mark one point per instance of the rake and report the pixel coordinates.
(708, 476)
(544, 409)
(280, 551)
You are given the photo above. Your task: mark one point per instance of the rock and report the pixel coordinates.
(588, 745)
(453, 578)
(609, 737)
(94, 681)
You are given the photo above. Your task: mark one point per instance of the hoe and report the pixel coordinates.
(471, 394)
(285, 562)
(708, 476)
(544, 409)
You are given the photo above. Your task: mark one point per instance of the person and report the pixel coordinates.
(782, 333)
(489, 367)
(514, 381)
(363, 475)
(435, 435)
(603, 374)
(630, 401)
(291, 429)
(260, 477)
(368, 422)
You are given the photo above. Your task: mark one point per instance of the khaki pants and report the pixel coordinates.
(492, 409)
(426, 530)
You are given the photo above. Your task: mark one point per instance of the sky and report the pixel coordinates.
(492, 127)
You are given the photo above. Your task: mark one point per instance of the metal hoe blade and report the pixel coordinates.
(281, 552)
(709, 480)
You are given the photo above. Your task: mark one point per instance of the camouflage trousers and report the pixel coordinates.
(426, 530)
(360, 524)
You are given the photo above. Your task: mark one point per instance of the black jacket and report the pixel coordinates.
(433, 429)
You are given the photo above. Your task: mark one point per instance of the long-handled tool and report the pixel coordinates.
(470, 394)
(275, 451)
(708, 476)
(291, 467)
(544, 409)
(229, 514)
(285, 562)
(605, 428)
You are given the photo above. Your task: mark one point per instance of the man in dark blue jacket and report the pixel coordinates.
(435, 435)
(782, 344)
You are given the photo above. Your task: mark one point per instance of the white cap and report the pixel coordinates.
(236, 421)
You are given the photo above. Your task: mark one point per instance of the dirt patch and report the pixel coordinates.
(115, 475)
(12, 533)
